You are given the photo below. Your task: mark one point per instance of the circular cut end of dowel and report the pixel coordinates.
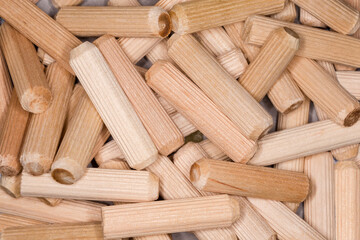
(235, 206)
(291, 32)
(199, 174)
(263, 133)
(35, 164)
(164, 24)
(154, 187)
(145, 163)
(34, 168)
(293, 106)
(36, 99)
(66, 171)
(9, 170)
(352, 117)
(63, 176)
(9, 192)
(356, 26)
(177, 15)
(348, 153)
(346, 165)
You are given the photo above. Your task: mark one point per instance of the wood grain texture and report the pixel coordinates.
(188, 99)
(96, 185)
(344, 111)
(194, 16)
(86, 231)
(249, 181)
(234, 62)
(269, 64)
(137, 48)
(26, 70)
(5, 87)
(186, 215)
(162, 130)
(45, 58)
(75, 149)
(40, 29)
(185, 126)
(66, 211)
(356, 5)
(11, 185)
(288, 14)
(7, 220)
(144, 21)
(303, 141)
(316, 44)
(113, 106)
(340, 67)
(298, 117)
(307, 19)
(285, 222)
(123, 3)
(11, 137)
(115, 164)
(347, 197)
(346, 20)
(155, 237)
(319, 207)
(231, 98)
(212, 150)
(215, 40)
(51, 201)
(107, 152)
(159, 52)
(350, 81)
(44, 130)
(64, 3)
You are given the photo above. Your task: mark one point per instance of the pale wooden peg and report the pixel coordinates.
(159, 52)
(234, 62)
(123, 3)
(350, 81)
(155, 237)
(45, 58)
(26, 70)
(115, 164)
(11, 185)
(185, 126)
(108, 152)
(212, 150)
(308, 19)
(7, 220)
(288, 14)
(113, 106)
(137, 48)
(64, 3)
(5, 87)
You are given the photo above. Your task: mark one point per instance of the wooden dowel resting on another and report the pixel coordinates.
(75, 149)
(174, 86)
(107, 152)
(350, 81)
(11, 137)
(288, 14)
(11, 185)
(40, 29)
(137, 48)
(186, 215)
(347, 18)
(44, 130)
(115, 164)
(234, 62)
(71, 231)
(315, 43)
(319, 207)
(45, 58)
(163, 131)
(123, 3)
(144, 21)
(7, 220)
(194, 16)
(64, 3)
(5, 88)
(212, 150)
(25, 69)
(159, 52)
(347, 197)
(185, 126)
(309, 20)
(235, 102)
(340, 67)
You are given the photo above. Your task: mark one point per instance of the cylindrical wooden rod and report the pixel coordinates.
(11, 185)
(250, 181)
(315, 43)
(44, 130)
(235, 102)
(187, 98)
(8, 220)
(144, 21)
(64, 3)
(303, 141)
(163, 131)
(124, 3)
(270, 62)
(41, 29)
(107, 152)
(113, 106)
(308, 19)
(336, 14)
(126, 186)
(350, 81)
(25, 69)
(234, 62)
(288, 14)
(70, 231)
(75, 149)
(11, 137)
(347, 198)
(186, 215)
(319, 207)
(115, 164)
(344, 111)
(194, 16)
(5, 87)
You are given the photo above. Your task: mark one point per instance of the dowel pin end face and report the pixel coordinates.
(356, 26)
(66, 171)
(199, 173)
(177, 14)
(36, 100)
(164, 24)
(35, 164)
(352, 117)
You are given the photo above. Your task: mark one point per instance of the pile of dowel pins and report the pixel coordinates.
(93, 146)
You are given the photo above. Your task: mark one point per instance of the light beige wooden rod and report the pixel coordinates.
(194, 16)
(297, 117)
(7, 220)
(113, 106)
(347, 197)
(269, 64)
(285, 222)
(107, 152)
(163, 131)
(185, 126)
(174, 86)
(115, 164)
(126, 186)
(347, 18)
(25, 69)
(74, 152)
(155, 237)
(344, 111)
(159, 52)
(288, 14)
(64, 3)
(215, 40)
(44, 130)
(212, 150)
(186, 215)
(307, 19)
(234, 62)
(174, 185)
(249, 181)
(5, 87)
(71, 231)
(316, 43)
(123, 3)
(66, 211)
(340, 67)
(11, 185)
(144, 21)
(237, 104)
(40, 29)
(356, 5)
(51, 201)
(11, 137)
(350, 81)
(319, 207)
(304, 141)
(137, 48)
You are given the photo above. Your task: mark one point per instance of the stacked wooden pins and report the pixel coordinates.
(95, 147)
